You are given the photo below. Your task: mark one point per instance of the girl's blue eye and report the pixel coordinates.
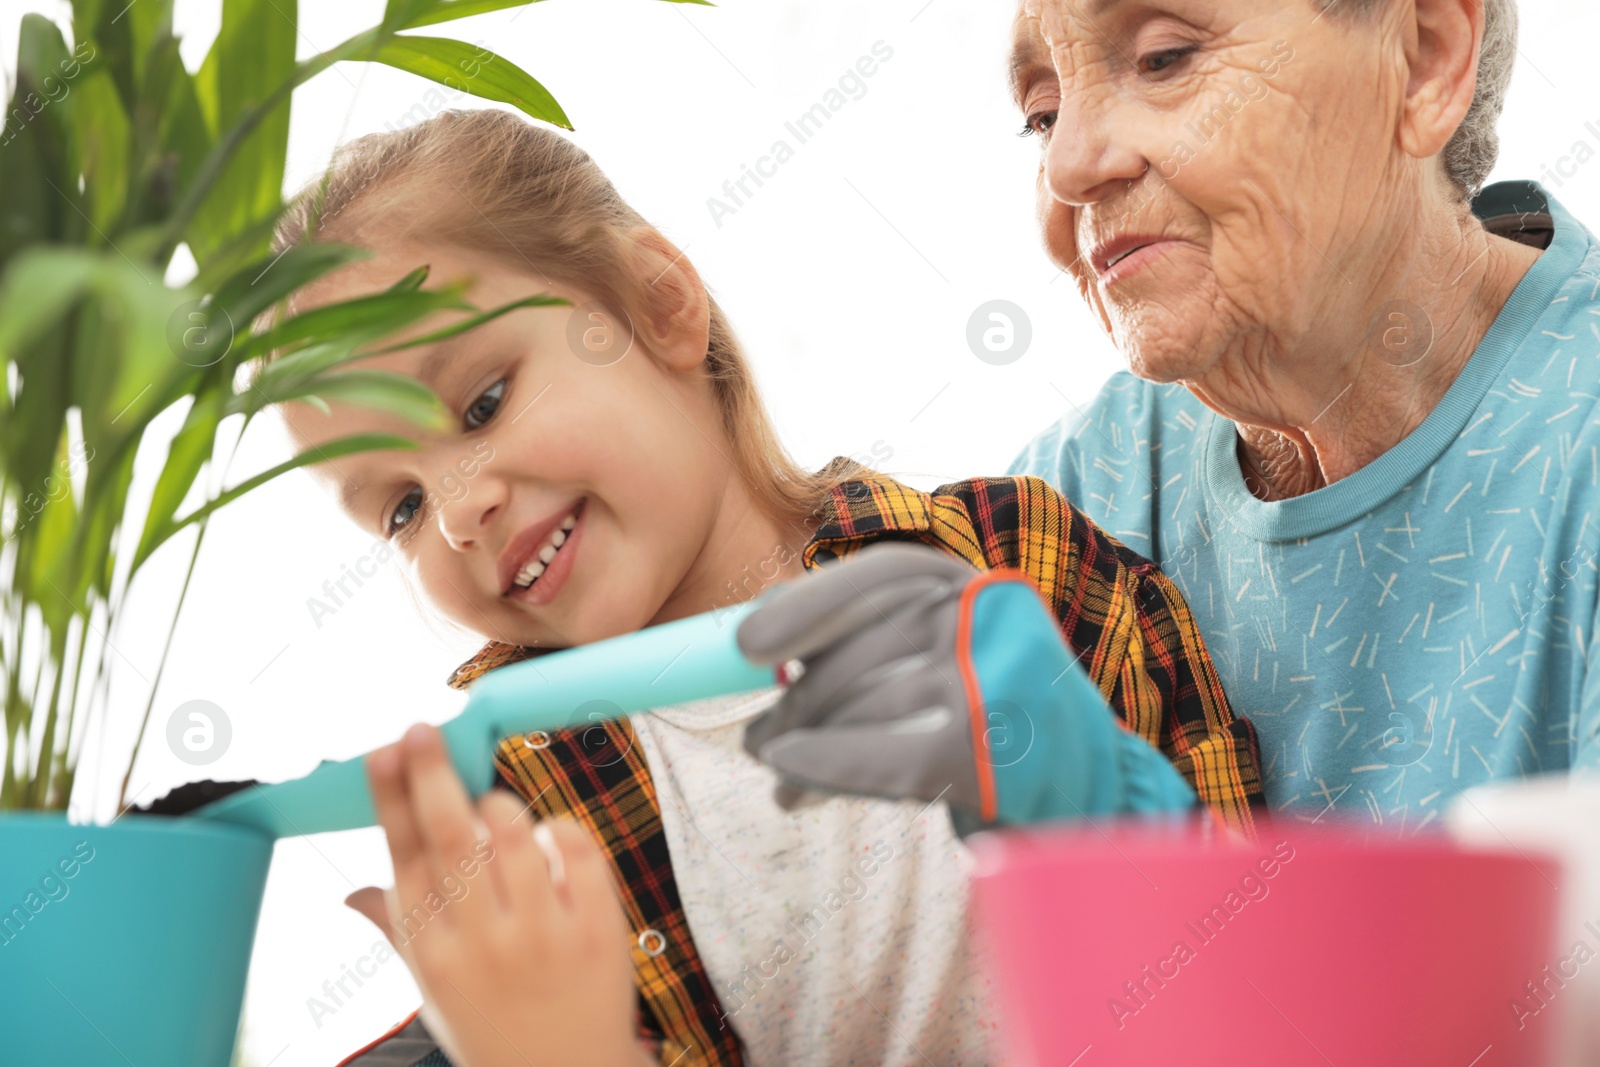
(414, 498)
(492, 395)
(477, 415)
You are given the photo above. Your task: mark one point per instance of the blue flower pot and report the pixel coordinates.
(125, 944)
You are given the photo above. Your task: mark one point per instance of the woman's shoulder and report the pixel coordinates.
(1132, 432)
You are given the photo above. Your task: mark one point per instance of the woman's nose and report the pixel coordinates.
(1090, 156)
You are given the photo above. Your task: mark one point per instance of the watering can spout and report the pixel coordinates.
(674, 663)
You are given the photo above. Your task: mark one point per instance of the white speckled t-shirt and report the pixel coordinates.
(836, 934)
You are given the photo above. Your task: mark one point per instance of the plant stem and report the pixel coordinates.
(33, 711)
(77, 681)
(102, 674)
(47, 744)
(161, 665)
(10, 785)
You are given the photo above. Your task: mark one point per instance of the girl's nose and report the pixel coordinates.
(467, 509)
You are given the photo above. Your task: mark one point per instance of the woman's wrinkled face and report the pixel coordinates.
(599, 467)
(1211, 172)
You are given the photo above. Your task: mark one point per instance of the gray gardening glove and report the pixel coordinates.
(879, 709)
(925, 679)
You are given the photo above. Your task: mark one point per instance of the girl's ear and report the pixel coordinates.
(676, 308)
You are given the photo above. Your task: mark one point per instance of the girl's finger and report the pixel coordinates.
(413, 865)
(543, 837)
(521, 874)
(449, 824)
(370, 901)
(586, 885)
(380, 907)
(444, 811)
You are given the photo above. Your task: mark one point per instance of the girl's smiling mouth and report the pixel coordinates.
(548, 560)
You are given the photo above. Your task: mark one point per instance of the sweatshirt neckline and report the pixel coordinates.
(1350, 498)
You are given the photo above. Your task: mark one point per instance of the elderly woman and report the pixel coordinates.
(1361, 429)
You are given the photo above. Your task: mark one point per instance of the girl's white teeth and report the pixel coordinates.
(536, 567)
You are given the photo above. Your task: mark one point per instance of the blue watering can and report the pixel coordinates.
(691, 659)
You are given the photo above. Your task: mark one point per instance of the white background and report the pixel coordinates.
(850, 277)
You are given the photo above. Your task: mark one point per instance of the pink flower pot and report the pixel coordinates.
(1316, 946)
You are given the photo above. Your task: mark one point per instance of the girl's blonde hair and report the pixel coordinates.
(491, 182)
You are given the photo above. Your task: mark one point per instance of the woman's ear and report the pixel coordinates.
(1442, 54)
(676, 308)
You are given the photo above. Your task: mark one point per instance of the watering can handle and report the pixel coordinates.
(674, 663)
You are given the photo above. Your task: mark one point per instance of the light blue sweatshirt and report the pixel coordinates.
(1425, 624)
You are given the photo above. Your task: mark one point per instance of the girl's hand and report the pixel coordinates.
(518, 943)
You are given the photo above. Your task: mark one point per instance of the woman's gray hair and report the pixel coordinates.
(1471, 153)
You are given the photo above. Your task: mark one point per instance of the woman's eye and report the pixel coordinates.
(412, 499)
(1040, 122)
(1157, 62)
(486, 405)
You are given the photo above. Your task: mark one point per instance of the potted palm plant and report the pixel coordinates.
(129, 942)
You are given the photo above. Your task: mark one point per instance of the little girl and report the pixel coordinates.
(621, 472)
